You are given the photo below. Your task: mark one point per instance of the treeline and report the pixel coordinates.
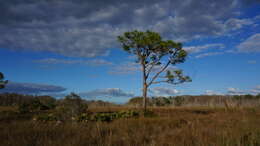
(200, 100)
(71, 108)
(48, 102)
(13, 99)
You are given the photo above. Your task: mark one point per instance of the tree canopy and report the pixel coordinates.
(2, 82)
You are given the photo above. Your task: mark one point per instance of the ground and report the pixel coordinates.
(166, 126)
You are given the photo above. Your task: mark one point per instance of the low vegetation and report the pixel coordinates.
(184, 120)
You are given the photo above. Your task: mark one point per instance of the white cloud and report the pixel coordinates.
(256, 90)
(132, 67)
(93, 62)
(235, 91)
(197, 49)
(209, 54)
(162, 91)
(89, 28)
(108, 92)
(252, 44)
(211, 92)
(235, 24)
(125, 68)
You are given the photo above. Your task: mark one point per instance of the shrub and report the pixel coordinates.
(45, 117)
(178, 101)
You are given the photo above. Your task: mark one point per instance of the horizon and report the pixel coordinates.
(63, 46)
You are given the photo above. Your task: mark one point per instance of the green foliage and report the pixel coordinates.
(246, 97)
(45, 117)
(86, 117)
(151, 50)
(2, 82)
(178, 101)
(161, 101)
(151, 47)
(71, 107)
(148, 113)
(48, 102)
(136, 101)
(40, 103)
(108, 117)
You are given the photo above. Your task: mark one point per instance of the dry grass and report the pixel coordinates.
(171, 126)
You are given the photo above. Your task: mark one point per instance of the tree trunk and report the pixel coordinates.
(144, 97)
(144, 86)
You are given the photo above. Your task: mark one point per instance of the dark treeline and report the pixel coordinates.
(13, 99)
(200, 100)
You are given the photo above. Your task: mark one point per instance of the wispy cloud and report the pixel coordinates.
(132, 67)
(55, 61)
(211, 92)
(197, 49)
(251, 61)
(108, 92)
(209, 54)
(235, 91)
(31, 88)
(256, 90)
(163, 91)
(251, 44)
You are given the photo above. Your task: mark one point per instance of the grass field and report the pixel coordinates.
(169, 126)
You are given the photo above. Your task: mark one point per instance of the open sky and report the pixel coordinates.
(59, 46)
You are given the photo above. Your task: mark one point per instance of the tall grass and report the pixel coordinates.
(170, 126)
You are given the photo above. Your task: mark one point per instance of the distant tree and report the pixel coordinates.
(2, 82)
(72, 105)
(153, 52)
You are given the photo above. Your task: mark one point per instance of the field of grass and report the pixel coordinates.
(167, 126)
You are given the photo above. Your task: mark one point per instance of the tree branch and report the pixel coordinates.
(158, 73)
(167, 81)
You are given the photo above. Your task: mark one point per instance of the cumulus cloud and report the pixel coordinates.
(55, 61)
(31, 88)
(235, 91)
(162, 91)
(108, 92)
(256, 90)
(89, 28)
(251, 44)
(211, 92)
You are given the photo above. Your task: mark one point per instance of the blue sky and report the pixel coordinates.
(57, 47)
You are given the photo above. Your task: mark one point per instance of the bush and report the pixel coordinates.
(45, 117)
(178, 101)
(71, 107)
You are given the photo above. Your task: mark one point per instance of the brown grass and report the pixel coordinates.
(171, 126)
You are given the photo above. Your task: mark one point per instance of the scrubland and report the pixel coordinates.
(163, 126)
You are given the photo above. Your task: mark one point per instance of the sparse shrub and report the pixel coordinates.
(47, 102)
(71, 107)
(103, 117)
(107, 117)
(136, 101)
(85, 117)
(24, 108)
(178, 101)
(45, 117)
